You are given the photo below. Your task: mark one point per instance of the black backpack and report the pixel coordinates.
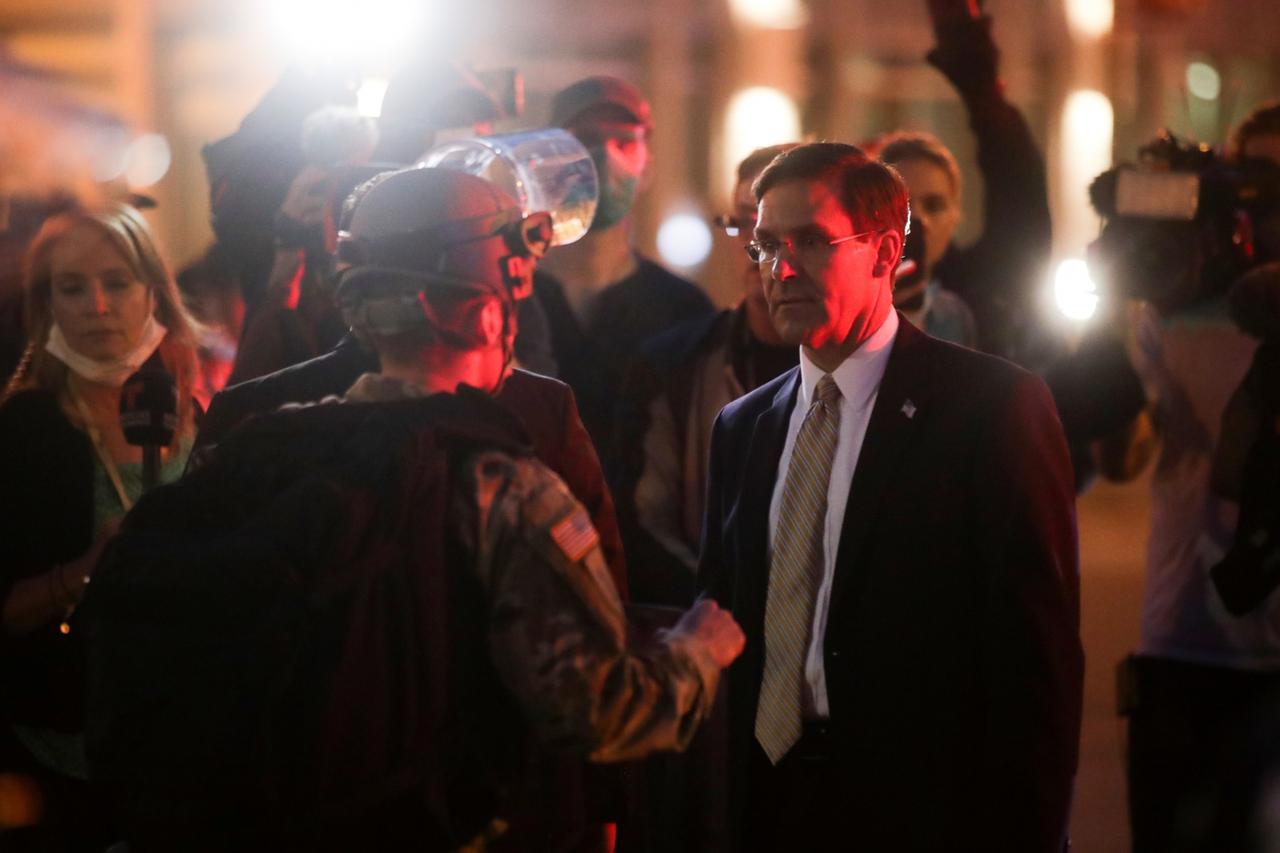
(286, 647)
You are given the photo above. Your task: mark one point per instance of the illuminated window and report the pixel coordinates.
(758, 117)
(769, 14)
(1090, 18)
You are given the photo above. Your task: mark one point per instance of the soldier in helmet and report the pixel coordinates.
(545, 407)
(457, 601)
(439, 262)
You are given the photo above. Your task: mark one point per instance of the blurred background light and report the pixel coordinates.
(1074, 292)
(148, 160)
(109, 151)
(1090, 19)
(21, 801)
(1203, 81)
(757, 117)
(769, 14)
(340, 32)
(684, 240)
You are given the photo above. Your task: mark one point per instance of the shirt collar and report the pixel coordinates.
(858, 376)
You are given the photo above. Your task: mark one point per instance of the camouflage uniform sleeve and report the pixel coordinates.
(557, 632)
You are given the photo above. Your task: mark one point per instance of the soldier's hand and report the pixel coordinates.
(716, 628)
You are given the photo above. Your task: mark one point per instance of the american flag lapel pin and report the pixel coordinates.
(909, 409)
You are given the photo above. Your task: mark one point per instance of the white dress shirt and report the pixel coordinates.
(858, 378)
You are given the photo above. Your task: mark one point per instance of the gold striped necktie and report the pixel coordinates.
(795, 572)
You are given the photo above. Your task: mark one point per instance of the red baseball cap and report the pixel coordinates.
(571, 102)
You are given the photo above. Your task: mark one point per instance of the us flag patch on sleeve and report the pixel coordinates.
(574, 535)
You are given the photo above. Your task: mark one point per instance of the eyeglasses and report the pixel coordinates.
(806, 246)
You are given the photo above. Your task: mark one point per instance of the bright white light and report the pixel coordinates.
(149, 160)
(329, 31)
(684, 240)
(758, 117)
(1091, 18)
(770, 14)
(1203, 81)
(369, 96)
(109, 150)
(1074, 291)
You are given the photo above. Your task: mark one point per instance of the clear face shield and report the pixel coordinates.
(543, 170)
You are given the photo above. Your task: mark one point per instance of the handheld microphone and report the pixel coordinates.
(149, 416)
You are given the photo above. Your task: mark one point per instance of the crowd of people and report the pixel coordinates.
(454, 533)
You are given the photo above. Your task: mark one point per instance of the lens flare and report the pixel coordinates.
(339, 31)
(1074, 291)
(369, 96)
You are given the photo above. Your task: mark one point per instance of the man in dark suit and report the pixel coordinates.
(892, 524)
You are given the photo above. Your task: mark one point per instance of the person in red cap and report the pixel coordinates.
(603, 299)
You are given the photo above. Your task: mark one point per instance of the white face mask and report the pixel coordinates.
(113, 372)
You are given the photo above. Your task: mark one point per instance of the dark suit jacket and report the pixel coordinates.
(544, 406)
(952, 652)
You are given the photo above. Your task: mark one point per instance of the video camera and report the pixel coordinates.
(1183, 223)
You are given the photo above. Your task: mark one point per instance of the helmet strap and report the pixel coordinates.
(508, 346)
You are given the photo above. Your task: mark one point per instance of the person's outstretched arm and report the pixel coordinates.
(557, 630)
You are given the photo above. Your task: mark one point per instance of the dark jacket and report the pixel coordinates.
(380, 600)
(593, 356)
(674, 391)
(952, 650)
(46, 517)
(545, 407)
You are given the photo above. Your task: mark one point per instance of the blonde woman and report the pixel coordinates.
(100, 302)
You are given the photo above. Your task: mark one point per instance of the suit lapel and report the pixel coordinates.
(763, 453)
(900, 402)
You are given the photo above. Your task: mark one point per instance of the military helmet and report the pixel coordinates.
(419, 235)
